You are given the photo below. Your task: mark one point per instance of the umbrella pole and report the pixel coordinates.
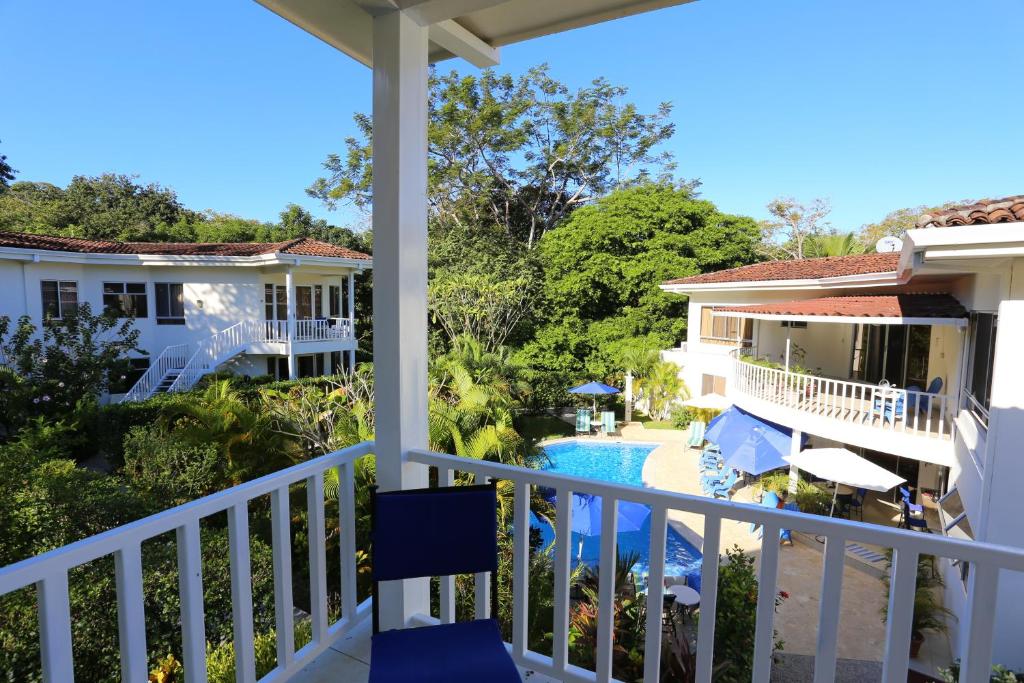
(835, 492)
(579, 551)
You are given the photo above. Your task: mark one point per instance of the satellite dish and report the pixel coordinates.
(888, 245)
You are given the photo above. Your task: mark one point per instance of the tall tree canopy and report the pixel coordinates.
(602, 268)
(516, 153)
(6, 173)
(897, 222)
(792, 225)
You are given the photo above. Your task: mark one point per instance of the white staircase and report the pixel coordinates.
(175, 371)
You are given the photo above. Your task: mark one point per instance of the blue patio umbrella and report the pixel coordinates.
(586, 516)
(748, 443)
(594, 388)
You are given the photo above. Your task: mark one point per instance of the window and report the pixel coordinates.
(170, 303)
(303, 303)
(334, 300)
(725, 329)
(712, 384)
(126, 299)
(983, 344)
(277, 367)
(318, 301)
(60, 298)
(336, 366)
(794, 324)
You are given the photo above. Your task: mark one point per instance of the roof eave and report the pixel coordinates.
(883, 279)
(199, 260)
(848, 319)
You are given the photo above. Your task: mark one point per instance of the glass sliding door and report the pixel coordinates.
(896, 353)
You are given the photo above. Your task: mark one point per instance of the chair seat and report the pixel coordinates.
(464, 651)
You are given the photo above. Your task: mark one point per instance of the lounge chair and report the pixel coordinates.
(710, 482)
(582, 421)
(608, 422)
(697, 428)
(414, 535)
(723, 488)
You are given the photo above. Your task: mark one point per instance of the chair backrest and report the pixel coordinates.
(935, 386)
(583, 420)
(433, 532)
(905, 493)
(608, 421)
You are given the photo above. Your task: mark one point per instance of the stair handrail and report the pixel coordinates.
(214, 350)
(172, 357)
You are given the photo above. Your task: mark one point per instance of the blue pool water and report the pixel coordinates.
(620, 463)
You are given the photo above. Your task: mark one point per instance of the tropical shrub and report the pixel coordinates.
(736, 616)
(69, 365)
(662, 388)
(169, 471)
(682, 416)
(1000, 674)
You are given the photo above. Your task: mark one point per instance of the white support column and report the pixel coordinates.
(289, 286)
(352, 317)
(794, 472)
(400, 270)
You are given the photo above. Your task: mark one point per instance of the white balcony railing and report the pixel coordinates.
(885, 408)
(323, 329)
(49, 574)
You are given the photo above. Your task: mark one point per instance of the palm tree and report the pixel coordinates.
(637, 361)
(836, 244)
(662, 387)
(244, 436)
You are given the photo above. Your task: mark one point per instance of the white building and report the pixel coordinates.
(279, 308)
(938, 319)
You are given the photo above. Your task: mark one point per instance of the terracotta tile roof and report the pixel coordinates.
(802, 269)
(877, 306)
(303, 246)
(982, 212)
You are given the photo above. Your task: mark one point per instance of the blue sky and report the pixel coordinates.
(876, 105)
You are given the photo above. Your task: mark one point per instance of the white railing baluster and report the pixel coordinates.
(563, 559)
(655, 588)
(902, 585)
(241, 593)
(764, 633)
(284, 605)
(190, 587)
(131, 613)
(828, 609)
(606, 588)
(347, 544)
(520, 568)
(708, 599)
(981, 609)
(317, 556)
(482, 580)
(55, 628)
(446, 477)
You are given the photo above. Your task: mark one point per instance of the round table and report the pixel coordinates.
(685, 596)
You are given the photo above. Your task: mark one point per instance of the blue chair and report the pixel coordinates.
(721, 490)
(924, 403)
(912, 522)
(696, 434)
(890, 410)
(857, 504)
(913, 507)
(437, 532)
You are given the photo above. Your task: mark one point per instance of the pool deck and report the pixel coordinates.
(673, 467)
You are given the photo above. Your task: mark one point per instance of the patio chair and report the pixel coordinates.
(582, 421)
(924, 403)
(857, 504)
(437, 532)
(911, 521)
(608, 422)
(697, 428)
(913, 507)
(890, 410)
(722, 489)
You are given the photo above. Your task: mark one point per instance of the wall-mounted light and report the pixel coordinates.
(199, 303)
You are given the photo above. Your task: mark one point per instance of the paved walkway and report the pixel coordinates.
(673, 467)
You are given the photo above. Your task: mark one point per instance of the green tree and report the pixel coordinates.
(6, 173)
(834, 244)
(117, 207)
(518, 154)
(68, 366)
(792, 224)
(896, 223)
(602, 271)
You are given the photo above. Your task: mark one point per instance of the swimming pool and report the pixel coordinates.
(620, 463)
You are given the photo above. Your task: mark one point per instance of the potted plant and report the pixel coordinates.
(929, 614)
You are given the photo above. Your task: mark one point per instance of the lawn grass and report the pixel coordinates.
(659, 424)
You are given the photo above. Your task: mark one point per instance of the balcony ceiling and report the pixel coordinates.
(456, 25)
(893, 309)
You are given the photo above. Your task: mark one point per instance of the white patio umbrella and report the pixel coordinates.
(709, 402)
(844, 467)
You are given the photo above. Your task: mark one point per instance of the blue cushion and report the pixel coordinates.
(464, 651)
(435, 533)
